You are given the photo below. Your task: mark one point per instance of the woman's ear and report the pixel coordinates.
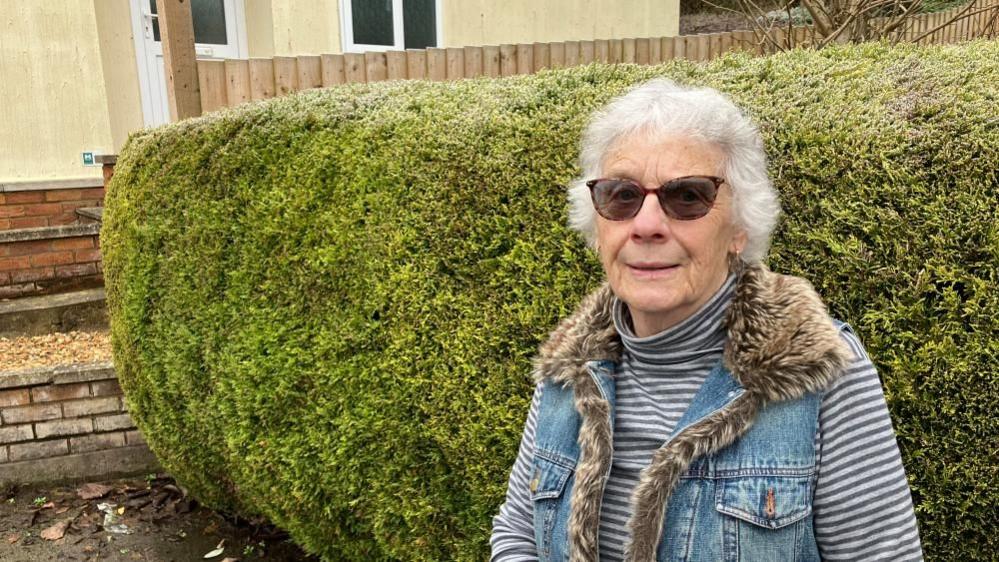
(738, 243)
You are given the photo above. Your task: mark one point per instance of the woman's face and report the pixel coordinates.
(665, 269)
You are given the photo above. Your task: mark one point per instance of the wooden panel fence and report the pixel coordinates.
(232, 82)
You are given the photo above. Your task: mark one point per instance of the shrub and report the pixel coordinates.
(323, 306)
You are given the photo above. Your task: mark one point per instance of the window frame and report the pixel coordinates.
(398, 27)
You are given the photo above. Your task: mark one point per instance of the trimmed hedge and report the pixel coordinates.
(323, 306)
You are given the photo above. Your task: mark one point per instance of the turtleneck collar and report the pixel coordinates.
(703, 332)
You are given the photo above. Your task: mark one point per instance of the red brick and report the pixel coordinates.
(34, 274)
(4, 224)
(16, 433)
(92, 193)
(110, 423)
(17, 397)
(100, 267)
(33, 413)
(97, 441)
(59, 428)
(64, 194)
(38, 450)
(10, 264)
(29, 247)
(84, 256)
(52, 258)
(63, 219)
(10, 211)
(90, 406)
(29, 222)
(4, 278)
(25, 197)
(42, 210)
(53, 392)
(14, 291)
(73, 243)
(133, 437)
(75, 270)
(105, 388)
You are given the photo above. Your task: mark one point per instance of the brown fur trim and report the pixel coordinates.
(595, 438)
(781, 345)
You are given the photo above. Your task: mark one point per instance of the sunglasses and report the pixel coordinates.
(686, 198)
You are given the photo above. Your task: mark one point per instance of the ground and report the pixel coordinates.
(41, 523)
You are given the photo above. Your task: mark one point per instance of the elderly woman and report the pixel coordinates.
(698, 406)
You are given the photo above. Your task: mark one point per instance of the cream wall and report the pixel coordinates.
(292, 27)
(121, 74)
(493, 22)
(53, 103)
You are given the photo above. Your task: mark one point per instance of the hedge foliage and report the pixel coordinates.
(323, 306)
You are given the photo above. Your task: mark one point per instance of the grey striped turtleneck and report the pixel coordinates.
(862, 506)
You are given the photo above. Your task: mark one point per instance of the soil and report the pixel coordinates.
(713, 22)
(151, 519)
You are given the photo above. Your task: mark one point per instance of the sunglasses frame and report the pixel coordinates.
(664, 188)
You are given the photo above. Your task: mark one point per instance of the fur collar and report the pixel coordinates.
(781, 345)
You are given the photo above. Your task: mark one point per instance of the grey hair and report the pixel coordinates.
(660, 107)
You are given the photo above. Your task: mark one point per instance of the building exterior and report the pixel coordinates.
(80, 75)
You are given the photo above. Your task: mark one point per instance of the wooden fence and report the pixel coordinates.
(232, 82)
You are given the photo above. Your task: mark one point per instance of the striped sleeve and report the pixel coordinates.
(513, 529)
(862, 505)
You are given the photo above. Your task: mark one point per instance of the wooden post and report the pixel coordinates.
(179, 62)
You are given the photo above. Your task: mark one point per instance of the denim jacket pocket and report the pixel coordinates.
(551, 509)
(768, 501)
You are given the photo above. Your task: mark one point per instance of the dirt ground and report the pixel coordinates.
(147, 519)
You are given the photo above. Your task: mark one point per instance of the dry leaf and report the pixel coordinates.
(55, 532)
(48, 505)
(11, 539)
(230, 559)
(62, 510)
(121, 510)
(91, 491)
(215, 552)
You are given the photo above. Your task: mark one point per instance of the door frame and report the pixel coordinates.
(150, 98)
(347, 29)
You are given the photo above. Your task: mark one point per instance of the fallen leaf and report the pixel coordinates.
(55, 532)
(91, 491)
(121, 510)
(230, 559)
(48, 505)
(11, 539)
(62, 510)
(214, 553)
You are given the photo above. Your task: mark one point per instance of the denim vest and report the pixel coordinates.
(751, 501)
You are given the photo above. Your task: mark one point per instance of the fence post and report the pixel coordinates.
(508, 60)
(396, 64)
(180, 64)
(525, 58)
(353, 67)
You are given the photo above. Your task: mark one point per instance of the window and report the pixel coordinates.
(382, 25)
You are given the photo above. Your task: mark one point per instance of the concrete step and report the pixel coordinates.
(34, 316)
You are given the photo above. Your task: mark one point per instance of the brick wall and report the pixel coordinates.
(66, 423)
(50, 207)
(41, 266)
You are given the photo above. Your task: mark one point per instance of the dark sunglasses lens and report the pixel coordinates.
(617, 199)
(688, 198)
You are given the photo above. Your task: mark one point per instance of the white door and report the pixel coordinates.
(219, 33)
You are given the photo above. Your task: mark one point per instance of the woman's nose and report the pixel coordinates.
(650, 222)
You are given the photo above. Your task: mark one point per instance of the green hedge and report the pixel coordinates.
(323, 306)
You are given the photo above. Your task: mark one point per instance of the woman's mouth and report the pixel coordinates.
(651, 270)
